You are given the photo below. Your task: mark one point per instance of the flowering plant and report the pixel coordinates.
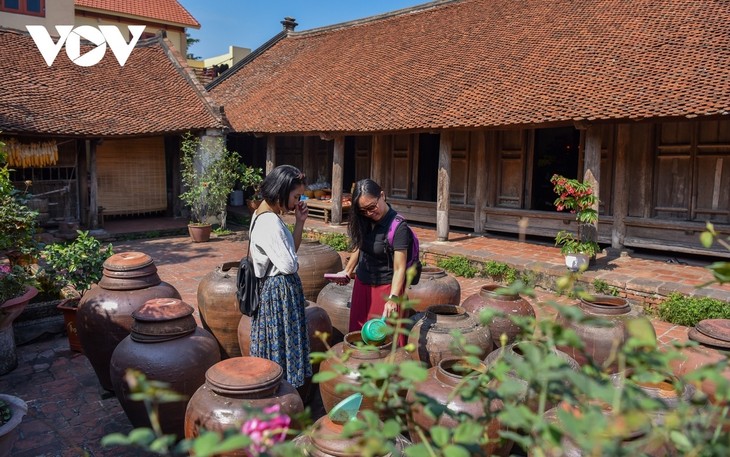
(580, 199)
(267, 430)
(14, 280)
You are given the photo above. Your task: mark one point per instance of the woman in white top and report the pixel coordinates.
(278, 330)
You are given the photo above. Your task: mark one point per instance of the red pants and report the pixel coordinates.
(368, 302)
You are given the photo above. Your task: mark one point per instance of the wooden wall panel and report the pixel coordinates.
(510, 171)
(459, 168)
(401, 166)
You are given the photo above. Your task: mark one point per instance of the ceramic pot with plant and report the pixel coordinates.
(578, 198)
(209, 172)
(12, 410)
(74, 268)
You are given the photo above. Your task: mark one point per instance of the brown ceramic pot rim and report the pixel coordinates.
(718, 329)
(434, 272)
(490, 290)
(228, 266)
(129, 283)
(162, 310)
(146, 270)
(366, 351)
(124, 261)
(446, 373)
(245, 376)
(706, 340)
(606, 304)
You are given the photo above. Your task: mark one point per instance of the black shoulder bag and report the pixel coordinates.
(249, 286)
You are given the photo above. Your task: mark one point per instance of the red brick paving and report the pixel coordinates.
(69, 412)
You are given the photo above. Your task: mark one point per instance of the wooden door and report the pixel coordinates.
(401, 166)
(459, 185)
(510, 168)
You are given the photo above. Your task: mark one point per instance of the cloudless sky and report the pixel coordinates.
(250, 23)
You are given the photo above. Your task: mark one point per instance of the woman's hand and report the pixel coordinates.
(341, 278)
(389, 308)
(301, 212)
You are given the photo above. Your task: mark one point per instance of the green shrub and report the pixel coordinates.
(688, 311)
(78, 264)
(602, 287)
(336, 241)
(499, 271)
(458, 265)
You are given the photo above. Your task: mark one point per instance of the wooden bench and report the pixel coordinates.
(322, 209)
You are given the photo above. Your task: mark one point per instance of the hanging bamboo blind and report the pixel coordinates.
(131, 176)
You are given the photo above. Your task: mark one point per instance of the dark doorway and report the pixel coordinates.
(428, 159)
(556, 151)
(348, 170)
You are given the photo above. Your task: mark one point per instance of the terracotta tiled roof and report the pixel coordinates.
(169, 11)
(490, 63)
(152, 93)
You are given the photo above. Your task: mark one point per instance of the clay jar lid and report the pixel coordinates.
(252, 377)
(129, 270)
(712, 332)
(162, 319)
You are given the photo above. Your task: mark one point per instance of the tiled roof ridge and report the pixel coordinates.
(100, 7)
(370, 19)
(184, 69)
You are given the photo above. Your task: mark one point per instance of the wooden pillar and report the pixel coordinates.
(621, 184)
(378, 163)
(93, 185)
(592, 174)
(270, 153)
(443, 186)
(480, 197)
(82, 182)
(338, 161)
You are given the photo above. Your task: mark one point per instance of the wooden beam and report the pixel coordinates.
(270, 153)
(621, 184)
(480, 195)
(309, 159)
(378, 162)
(93, 185)
(338, 161)
(443, 186)
(592, 174)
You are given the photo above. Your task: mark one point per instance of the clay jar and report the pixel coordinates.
(315, 260)
(713, 336)
(165, 345)
(326, 440)
(218, 307)
(436, 287)
(431, 334)
(600, 341)
(440, 385)
(516, 351)
(336, 301)
(104, 317)
(360, 353)
(666, 391)
(508, 305)
(232, 388)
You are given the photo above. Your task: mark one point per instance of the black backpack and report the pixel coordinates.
(249, 286)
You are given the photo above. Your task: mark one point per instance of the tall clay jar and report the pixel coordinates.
(232, 388)
(336, 301)
(165, 345)
(508, 305)
(360, 353)
(316, 259)
(218, 307)
(431, 334)
(104, 317)
(440, 385)
(601, 341)
(436, 287)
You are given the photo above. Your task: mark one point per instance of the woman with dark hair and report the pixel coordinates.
(379, 271)
(278, 330)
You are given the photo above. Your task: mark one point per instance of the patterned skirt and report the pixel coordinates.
(279, 329)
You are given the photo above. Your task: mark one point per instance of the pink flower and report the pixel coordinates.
(265, 432)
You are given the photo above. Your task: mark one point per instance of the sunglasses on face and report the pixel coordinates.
(370, 208)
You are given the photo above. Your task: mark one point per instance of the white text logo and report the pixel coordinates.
(105, 34)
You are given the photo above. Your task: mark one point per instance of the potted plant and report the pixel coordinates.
(209, 172)
(580, 199)
(17, 241)
(251, 178)
(12, 410)
(74, 268)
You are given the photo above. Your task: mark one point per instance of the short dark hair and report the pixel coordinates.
(279, 183)
(359, 224)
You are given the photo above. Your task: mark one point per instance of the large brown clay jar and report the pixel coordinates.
(104, 317)
(508, 305)
(232, 387)
(601, 341)
(218, 307)
(436, 287)
(440, 385)
(713, 336)
(360, 353)
(165, 345)
(431, 334)
(316, 259)
(336, 301)
(325, 439)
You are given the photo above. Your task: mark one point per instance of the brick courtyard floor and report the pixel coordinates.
(69, 412)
